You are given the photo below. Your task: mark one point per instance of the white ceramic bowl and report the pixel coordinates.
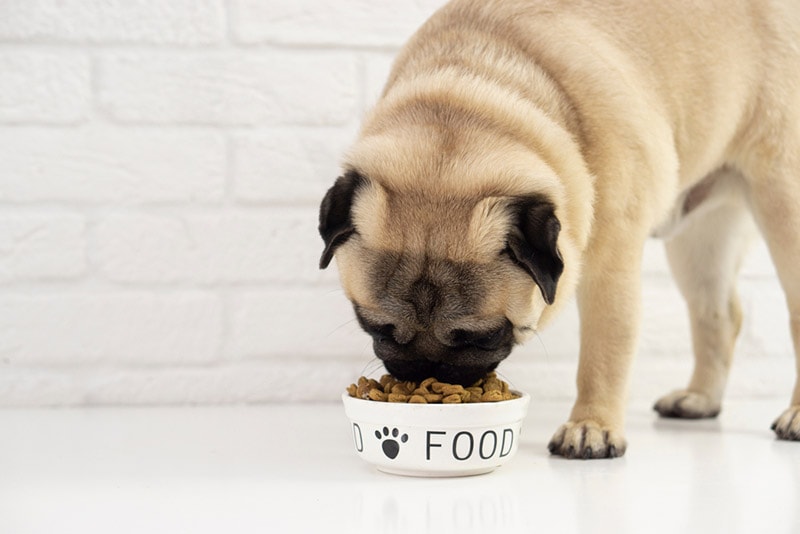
(436, 440)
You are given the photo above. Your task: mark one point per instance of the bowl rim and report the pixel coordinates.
(523, 397)
(452, 415)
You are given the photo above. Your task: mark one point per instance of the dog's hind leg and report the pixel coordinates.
(705, 256)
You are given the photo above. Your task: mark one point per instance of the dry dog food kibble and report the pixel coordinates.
(430, 391)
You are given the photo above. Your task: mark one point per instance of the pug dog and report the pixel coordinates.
(523, 151)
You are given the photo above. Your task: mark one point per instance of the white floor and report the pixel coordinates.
(278, 469)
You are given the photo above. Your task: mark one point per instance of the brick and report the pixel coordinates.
(376, 72)
(236, 382)
(231, 246)
(41, 247)
(44, 87)
(110, 328)
(765, 331)
(99, 164)
(184, 22)
(287, 165)
(665, 332)
(353, 22)
(245, 88)
(296, 323)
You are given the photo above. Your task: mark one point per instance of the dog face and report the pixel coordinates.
(445, 282)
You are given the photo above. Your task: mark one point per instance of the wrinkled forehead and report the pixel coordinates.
(420, 290)
(461, 230)
(399, 278)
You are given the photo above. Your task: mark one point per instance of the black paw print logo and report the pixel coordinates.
(390, 446)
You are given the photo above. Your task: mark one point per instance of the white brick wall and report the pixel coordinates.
(161, 164)
(105, 165)
(108, 22)
(44, 87)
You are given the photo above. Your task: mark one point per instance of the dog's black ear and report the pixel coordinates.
(335, 222)
(532, 243)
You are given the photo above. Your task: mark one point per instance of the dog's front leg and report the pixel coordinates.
(609, 301)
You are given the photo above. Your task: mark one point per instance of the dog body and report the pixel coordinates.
(523, 151)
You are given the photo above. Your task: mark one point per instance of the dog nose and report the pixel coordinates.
(487, 339)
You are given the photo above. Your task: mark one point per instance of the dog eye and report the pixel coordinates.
(382, 332)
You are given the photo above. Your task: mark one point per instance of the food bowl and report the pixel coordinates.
(436, 440)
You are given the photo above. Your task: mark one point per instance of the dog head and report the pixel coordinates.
(449, 245)
(444, 285)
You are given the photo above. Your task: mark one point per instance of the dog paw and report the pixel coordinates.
(787, 426)
(687, 405)
(586, 440)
